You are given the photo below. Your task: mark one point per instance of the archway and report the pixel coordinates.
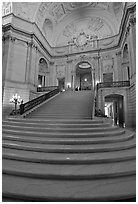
(114, 108)
(83, 79)
(43, 72)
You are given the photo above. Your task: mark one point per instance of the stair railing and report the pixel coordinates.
(36, 101)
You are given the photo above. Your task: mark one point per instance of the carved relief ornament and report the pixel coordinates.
(118, 53)
(8, 37)
(132, 21)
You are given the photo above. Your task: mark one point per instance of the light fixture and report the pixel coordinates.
(85, 79)
(84, 65)
(16, 100)
(68, 85)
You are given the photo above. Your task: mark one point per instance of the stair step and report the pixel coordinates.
(64, 134)
(63, 158)
(65, 121)
(59, 129)
(69, 148)
(48, 140)
(69, 190)
(55, 124)
(65, 171)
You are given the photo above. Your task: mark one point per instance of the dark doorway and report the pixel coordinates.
(116, 102)
(61, 84)
(83, 79)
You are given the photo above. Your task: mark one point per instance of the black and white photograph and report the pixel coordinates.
(68, 101)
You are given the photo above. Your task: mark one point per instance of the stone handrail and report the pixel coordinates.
(46, 88)
(113, 84)
(31, 104)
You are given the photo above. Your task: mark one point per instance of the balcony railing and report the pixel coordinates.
(46, 89)
(113, 84)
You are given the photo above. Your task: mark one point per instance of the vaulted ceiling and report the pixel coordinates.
(60, 22)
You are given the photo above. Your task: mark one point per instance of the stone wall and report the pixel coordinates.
(131, 97)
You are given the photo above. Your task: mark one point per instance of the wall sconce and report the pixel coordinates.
(16, 100)
(69, 85)
(96, 82)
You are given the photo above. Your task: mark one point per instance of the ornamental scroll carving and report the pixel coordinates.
(43, 66)
(6, 8)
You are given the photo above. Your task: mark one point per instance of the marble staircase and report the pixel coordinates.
(63, 159)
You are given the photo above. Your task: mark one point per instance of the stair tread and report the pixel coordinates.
(60, 129)
(69, 148)
(53, 124)
(82, 171)
(65, 134)
(69, 157)
(94, 190)
(36, 120)
(38, 139)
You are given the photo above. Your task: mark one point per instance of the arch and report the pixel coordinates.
(125, 53)
(83, 75)
(43, 71)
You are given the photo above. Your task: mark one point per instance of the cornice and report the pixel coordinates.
(32, 36)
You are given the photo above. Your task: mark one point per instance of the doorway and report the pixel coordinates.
(83, 80)
(61, 84)
(114, 108)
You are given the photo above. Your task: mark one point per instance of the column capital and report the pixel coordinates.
(118, 53)
(51, 63)
(30, 44)
(8, 37)
(69, 60)
(96, 57)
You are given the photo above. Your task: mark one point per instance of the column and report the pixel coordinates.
(132, 42)
(43, 81)
(28, 62)
(69, 73)
(36, 68)
(73, 73)
(7, 61)
(119, 65)
(51, 74)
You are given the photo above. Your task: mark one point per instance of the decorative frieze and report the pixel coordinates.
(118, 53)
(51, 63)
(6, 8)
(8, 37)
(69, 60)
(96, 57)
(132, 21)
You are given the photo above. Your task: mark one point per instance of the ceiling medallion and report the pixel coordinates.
(82, 39)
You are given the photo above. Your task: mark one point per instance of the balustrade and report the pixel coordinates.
(113, 84)
(46, 88)
(31, 104)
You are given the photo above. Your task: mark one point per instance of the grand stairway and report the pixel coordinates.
(49, 156)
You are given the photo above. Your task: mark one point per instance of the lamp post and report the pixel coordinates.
(16, 100)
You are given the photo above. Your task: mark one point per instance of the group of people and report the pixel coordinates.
(98, 113)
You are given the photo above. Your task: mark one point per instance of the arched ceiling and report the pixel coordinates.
(60, 22)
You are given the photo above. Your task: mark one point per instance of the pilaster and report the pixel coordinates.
(119, 65)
